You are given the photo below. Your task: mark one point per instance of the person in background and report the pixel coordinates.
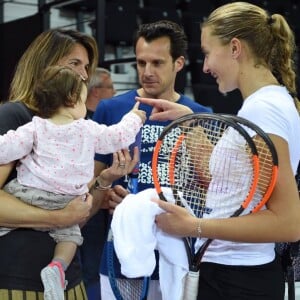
(100, 87)
(94, 231)
(19, 277)
(247, 48)
(160, 50)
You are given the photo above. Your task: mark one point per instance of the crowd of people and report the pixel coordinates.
(245, 48)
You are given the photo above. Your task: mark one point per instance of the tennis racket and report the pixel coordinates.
(268, 160)
(126, 288)
(213, 169)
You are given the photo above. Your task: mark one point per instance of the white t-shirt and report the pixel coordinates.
(274, 111)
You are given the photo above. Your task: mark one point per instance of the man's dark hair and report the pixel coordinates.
(164, 28)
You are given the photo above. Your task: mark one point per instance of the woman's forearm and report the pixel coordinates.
(15, 213)
(99, 200)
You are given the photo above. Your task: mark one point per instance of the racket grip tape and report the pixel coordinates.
(190, 286)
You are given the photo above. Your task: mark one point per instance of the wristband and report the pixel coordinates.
(99, 186)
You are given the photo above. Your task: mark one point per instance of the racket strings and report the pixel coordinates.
(206, 159)
(268, 163)
(130, 289)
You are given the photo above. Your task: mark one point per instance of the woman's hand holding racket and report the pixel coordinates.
(174, 218)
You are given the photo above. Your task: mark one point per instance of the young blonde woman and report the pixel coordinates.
(247, 48)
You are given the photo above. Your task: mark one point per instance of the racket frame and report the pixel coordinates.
(193, 259)
(244, 122)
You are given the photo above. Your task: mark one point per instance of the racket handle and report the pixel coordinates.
(190, 284)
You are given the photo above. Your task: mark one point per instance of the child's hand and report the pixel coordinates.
(140, 113)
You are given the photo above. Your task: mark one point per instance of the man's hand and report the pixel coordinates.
(115, 196)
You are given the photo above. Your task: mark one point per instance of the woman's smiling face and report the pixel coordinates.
(219, 61)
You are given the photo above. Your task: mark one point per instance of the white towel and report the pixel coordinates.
(136, 237)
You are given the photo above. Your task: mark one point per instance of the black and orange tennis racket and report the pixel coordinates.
(213, 168)
(268, 160)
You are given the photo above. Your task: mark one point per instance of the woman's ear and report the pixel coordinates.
(236, 47)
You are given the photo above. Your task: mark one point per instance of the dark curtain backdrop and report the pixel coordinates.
(15, 37)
